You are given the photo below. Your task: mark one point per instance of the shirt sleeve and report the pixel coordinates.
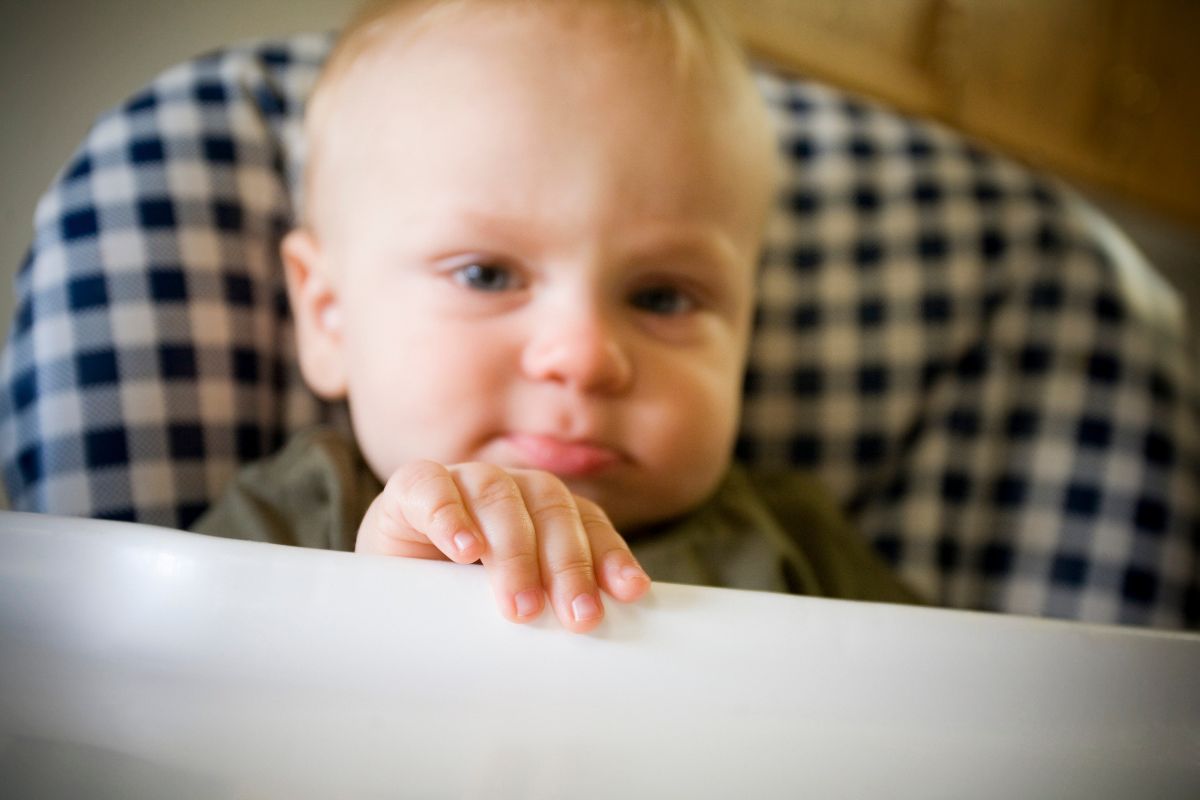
(312, 493)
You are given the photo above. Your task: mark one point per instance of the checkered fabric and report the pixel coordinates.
(1001, 398)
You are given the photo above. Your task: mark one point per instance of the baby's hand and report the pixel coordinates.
(532, 534)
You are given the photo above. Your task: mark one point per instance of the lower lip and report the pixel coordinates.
(565, 459)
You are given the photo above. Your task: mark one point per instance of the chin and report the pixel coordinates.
(635, 500)
(631, 511)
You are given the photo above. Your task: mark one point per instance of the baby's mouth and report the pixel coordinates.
(570, 459)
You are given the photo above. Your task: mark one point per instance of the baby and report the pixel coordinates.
(526, 261)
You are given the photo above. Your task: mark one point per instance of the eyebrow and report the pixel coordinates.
(709, 247)
(693, 244)
(509, 231)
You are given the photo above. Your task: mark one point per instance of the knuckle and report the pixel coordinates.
(620, 554)
(519, 559)
(390, 520)
(548, 497)
(553, 509)
(415, 476)
(591, 515)
(445, 514)
(573, 569)
(543, 484)
(425, 490)
(492, 486)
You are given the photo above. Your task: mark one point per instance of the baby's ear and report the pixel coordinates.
(317, 311)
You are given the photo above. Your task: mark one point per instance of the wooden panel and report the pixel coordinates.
(1156, 82)
(1100, 91)
(877, 47)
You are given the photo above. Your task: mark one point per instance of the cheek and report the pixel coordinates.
(706, 424)
(681, 432)
(415, 385)
(692, 423)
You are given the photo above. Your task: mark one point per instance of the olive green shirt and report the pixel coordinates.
(768, 530)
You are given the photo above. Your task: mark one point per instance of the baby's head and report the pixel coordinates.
(530, 238)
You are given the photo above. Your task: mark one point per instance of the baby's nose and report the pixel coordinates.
(583, 353)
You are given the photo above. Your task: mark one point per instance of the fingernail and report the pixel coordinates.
(585, 607)
(464, 541)
(528, 602)
(633, 573)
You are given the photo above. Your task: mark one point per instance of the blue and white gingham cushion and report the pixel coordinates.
(1007, 412)
(151, 349)
(1010, 414)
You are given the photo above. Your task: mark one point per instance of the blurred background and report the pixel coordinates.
(1102, 93)
(63, 62)
(1099, 92)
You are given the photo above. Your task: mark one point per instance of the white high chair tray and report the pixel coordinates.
(141, 662)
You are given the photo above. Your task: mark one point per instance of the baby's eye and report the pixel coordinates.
(663, 300)
(486, 278)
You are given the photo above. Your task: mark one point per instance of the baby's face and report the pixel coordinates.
(540, 265)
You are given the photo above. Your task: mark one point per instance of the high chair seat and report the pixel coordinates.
(991, 381)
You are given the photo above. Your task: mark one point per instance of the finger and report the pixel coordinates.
(510, 557)
(617, 569)
(563, 550)
(420, 513)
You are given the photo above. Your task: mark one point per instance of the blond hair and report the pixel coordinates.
(696, 36)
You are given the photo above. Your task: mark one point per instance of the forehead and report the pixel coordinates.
(580, 41)
(509, 96)
(410, 60)
(685, 30)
